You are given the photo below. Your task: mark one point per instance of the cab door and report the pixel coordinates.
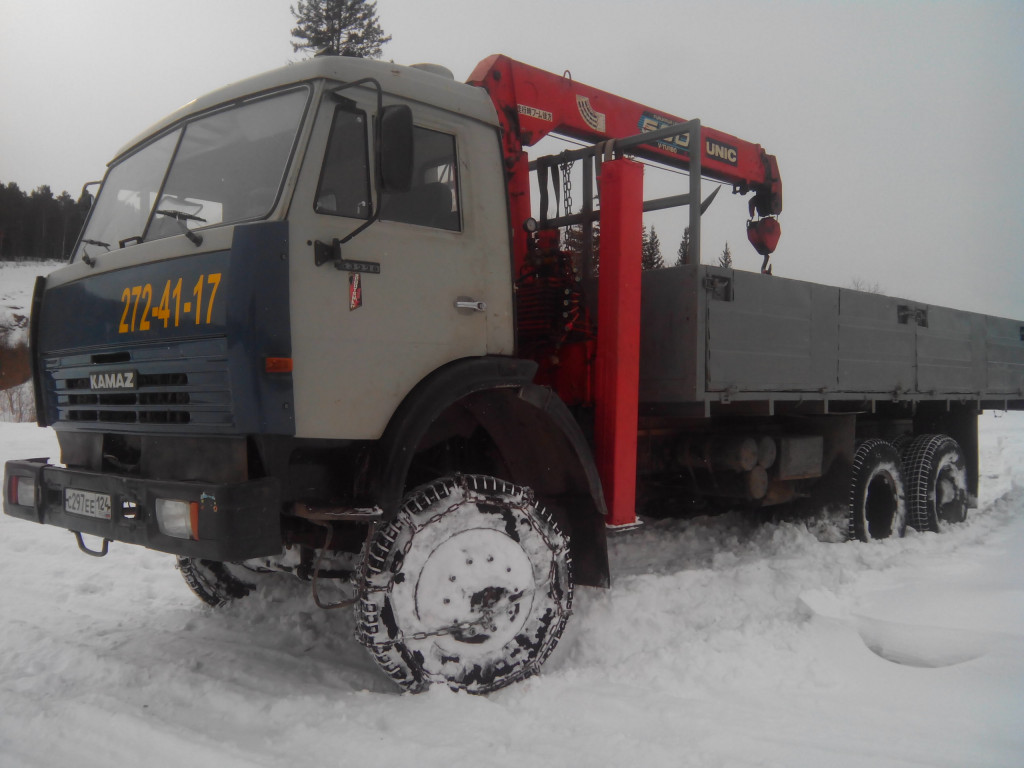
(407, 295)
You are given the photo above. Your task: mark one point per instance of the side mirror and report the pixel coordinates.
(86, 199)
(395, 148)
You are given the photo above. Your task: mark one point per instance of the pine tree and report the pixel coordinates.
(37, 225)
(683, 253)
(340, 27)
(725, 260)
(650, 251)
(42, 223)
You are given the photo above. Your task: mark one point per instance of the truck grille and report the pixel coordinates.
(178, 385)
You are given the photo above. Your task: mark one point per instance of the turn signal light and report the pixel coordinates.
(278, 364)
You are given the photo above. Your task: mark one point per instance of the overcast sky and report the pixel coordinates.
(898, 126)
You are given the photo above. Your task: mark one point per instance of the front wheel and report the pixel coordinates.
(216, 583)
(469, 586)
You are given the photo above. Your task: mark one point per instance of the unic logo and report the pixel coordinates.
(716, 150)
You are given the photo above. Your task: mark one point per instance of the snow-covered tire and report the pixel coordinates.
(469, 586)
(936, 479)
(877, 497)
(213, 582)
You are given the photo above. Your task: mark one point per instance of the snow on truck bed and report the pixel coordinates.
(721, 643)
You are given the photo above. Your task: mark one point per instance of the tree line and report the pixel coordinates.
(650, 248)
(650, 251)
(41, 227)
(38, 226)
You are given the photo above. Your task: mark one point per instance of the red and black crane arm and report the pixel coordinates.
(533, 103)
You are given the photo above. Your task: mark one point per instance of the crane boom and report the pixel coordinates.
(533, 103)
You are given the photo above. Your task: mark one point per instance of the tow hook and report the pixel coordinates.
(92, 552)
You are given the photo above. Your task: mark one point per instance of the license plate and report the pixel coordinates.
(87, 503)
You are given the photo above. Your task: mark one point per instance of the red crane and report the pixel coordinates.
(533, 103)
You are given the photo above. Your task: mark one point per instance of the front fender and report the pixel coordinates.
(539, 442)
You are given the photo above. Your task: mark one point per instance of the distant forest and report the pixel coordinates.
(38, 226)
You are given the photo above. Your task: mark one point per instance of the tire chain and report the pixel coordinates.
(378, 555)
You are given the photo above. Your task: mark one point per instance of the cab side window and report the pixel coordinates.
(344, 188)
(433, 200)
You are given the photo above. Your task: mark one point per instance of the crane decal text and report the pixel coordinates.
(538, 114)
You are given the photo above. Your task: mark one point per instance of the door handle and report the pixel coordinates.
(471, 305)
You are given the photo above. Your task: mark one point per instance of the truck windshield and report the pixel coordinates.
(220, 168)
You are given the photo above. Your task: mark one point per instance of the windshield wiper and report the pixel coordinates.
(182, 217)
(91, 260)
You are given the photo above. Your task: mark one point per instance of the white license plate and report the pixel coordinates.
(87, 503)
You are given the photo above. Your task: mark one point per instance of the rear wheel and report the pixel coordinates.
(469, 586)
(937, 490)
(877, 498)
(216, 583)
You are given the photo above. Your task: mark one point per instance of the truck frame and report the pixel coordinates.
(318, 323)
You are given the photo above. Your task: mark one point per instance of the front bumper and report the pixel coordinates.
(235, 521)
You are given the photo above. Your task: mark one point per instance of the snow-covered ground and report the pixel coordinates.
(720, 644)
(16, 282)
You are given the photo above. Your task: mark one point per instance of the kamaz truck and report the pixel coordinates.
(334, 321)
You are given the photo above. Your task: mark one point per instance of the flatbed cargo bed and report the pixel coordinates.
(715, 335)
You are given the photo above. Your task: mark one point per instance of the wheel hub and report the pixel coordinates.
(477, 584)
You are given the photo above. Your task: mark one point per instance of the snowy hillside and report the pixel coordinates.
(720, 644)
(16, 281)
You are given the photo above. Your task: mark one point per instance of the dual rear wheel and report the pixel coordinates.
(923, 483)
(878, 507)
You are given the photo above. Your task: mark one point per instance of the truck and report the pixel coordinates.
(334, 321)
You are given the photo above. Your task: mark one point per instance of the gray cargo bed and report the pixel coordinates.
(720, 335)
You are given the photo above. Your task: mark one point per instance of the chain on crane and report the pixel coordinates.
(567, 186)
(568, 240)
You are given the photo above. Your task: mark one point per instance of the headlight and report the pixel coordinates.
(21, 490)
(177, 518)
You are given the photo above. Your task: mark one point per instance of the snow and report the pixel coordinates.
(16, 282)
(721, 643)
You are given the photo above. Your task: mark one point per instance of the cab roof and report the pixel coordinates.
(411, 83)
